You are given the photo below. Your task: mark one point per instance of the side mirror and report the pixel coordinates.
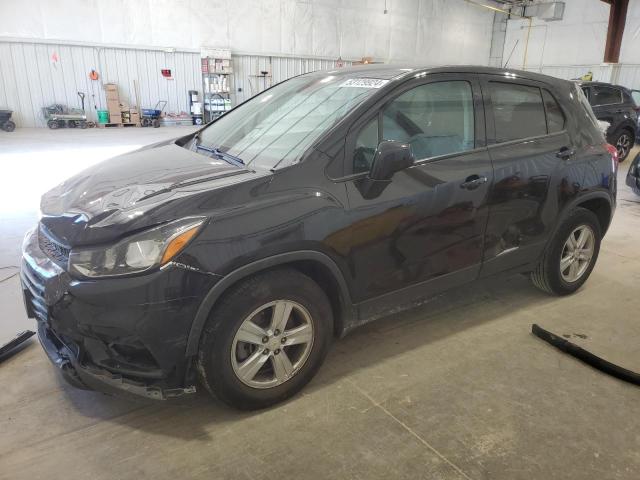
(390, 157)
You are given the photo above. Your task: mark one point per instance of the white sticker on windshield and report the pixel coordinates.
(364, 83)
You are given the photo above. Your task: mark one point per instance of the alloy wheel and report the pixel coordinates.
(272, 344)
(623, 145)
(577, 253)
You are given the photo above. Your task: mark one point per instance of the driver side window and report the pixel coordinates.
(435, 119)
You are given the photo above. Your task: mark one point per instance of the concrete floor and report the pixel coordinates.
(457, 389)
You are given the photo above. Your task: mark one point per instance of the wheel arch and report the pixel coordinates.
(627, 125)
(319, 266)
(601, 206)
(598, 202)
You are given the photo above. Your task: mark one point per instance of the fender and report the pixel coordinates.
(574, 203)
(281, 259)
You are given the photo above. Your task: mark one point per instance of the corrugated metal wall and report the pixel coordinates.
(627, 75)
(248, 79)
(30, 78)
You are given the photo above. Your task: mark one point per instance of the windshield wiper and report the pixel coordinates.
(238, 162)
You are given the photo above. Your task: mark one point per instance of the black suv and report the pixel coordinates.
(616, 106)
(236, 254)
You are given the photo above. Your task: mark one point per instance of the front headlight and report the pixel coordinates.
(137, 253)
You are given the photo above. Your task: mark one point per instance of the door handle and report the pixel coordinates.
(565, 153)
(474, 181)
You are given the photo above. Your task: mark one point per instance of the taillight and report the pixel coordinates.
(613, 151)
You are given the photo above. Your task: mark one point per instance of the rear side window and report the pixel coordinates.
(605, 96)
(518, 111)
(635, 94)
(555, 117)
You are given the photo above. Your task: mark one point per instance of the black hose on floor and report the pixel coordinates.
(586, 356)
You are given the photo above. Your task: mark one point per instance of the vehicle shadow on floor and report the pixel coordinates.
(200, 416)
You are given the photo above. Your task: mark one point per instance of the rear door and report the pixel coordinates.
(531, 153)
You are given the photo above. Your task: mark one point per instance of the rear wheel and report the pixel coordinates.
(155, 123)
(266, 339)
(9, 126)
(53, 124)
(146, 122)
(571, 255)
(72, 124)
(623, 140)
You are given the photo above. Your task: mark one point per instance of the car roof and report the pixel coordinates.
(398, 71)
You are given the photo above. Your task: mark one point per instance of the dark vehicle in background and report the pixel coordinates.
(6, 123)
(615, 105)
(235, 255)
(633, 175)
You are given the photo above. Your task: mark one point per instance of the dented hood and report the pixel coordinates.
(125, 188)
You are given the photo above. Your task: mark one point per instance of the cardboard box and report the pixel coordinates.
(111, 87)
(115, 117)
(112, 96)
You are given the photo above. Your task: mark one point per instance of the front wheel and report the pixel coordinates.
(571, 254)
(266, 339)
(9, 126)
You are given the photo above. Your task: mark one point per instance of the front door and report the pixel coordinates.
(424, 232)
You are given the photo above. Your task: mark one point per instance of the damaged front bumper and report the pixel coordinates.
(88, 377)
(123, 336)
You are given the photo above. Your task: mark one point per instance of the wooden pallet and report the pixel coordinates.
(121, 125)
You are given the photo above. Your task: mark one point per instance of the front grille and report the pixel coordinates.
(34, 294)
(52, 248)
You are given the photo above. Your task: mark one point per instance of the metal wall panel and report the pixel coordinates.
(601, 73)
(627, 75)
(30, 79)
(247, 69)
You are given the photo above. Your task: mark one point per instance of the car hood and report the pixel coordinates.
(125, 190)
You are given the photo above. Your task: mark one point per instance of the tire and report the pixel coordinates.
(53, 124)
(623, 139)
(146, 122)
(83, 125)
(548, 276)
(221, 353)
(155, 123)
(9, 126)
(72, 124)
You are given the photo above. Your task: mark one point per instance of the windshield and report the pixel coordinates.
(276, 127)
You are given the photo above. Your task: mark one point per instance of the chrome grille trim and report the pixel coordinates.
(52, 248)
